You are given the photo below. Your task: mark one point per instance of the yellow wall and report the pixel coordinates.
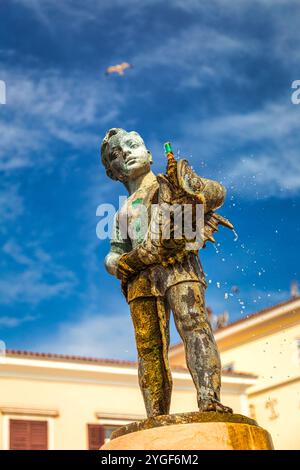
(183, 401)
(77, 393)
(77, 404)
(266, 346)
(178, 359)
(284, 421)
(273, 357)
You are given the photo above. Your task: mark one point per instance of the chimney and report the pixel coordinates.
(222, 320)
(294, 289)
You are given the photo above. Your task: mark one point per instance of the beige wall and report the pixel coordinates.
(71, 395)
(77, 404)
(278, 410)
(266, 345)
(233, 396)
(272, 357)
(276, 397)
(178, 357)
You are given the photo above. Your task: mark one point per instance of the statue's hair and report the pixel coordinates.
(104, 149)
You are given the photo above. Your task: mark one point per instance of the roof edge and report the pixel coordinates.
(108, 362)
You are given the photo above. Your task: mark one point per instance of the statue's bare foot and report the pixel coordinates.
(215, 405)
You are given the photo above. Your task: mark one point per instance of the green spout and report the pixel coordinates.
(168, 148)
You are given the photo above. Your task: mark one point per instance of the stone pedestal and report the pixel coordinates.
(192, 431)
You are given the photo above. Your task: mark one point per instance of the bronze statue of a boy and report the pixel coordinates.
(153, 287)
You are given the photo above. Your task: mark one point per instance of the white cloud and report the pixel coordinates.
(13, 322)
(15, 251)
(278, 13)
(68, 109)
(274, 121)
(199, 55)
(11, 204)
(46, 107)
(269, 175)
(106, 335)
(32, 287)
(78, 11)
(281, 19)
(35, 276)
(272, 166)
(183, 49)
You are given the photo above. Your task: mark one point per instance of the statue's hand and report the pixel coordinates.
(123, 269)
(125, 272)
(129, 264)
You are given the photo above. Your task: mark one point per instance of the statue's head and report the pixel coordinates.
(125, 155)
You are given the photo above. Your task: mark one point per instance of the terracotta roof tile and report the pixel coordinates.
(100, 361)
(67, 357)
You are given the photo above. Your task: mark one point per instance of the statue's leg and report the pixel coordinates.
(151, 324)
(187, 301)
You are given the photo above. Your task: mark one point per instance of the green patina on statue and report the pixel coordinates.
(160, 274)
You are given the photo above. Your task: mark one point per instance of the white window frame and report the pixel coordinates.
(118, 421)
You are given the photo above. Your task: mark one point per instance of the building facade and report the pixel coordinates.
(267, 344)
(53, 401)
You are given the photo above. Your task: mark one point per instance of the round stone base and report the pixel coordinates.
(192, 431)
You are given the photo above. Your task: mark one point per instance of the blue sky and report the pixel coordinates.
(214, 78)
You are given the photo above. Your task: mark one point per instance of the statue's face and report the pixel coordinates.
(128, 156)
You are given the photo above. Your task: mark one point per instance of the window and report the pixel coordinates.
(109, 429)
(28, 435)
(98, 434)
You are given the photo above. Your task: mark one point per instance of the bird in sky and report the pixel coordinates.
(119, 68)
